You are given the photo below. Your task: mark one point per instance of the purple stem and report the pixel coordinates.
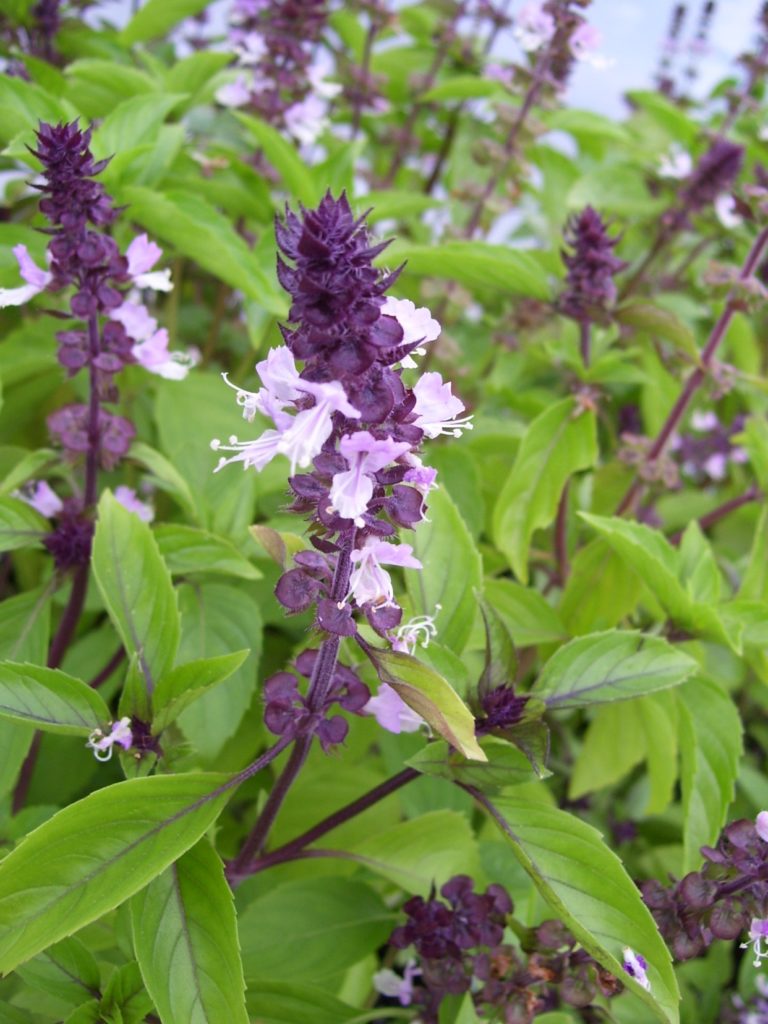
(713, 517)
(699, 374)
(537, 82)
(296, 847)
(584, 340)
(101, 677)
(71, 615)
(319, 687)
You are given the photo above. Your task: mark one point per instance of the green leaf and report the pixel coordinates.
(284, 157)
(136, 587)
(25, 623)
(464, 87)
(27, 466)
(557, 444)
(587, 124)
(658, 565)
(601, 589)
(429, 695)
(754, 439)
(476, 265)
(698, 567)
(506, 765)
(185, 684)
(132, 122)
(526, 614)
(217, 620)
(425, 851)
(20, 525)
(94, 854)
(660, 323)
(613, 745)
(197, 229)
(186, 550)
(451, 570)
(587, 886)
(710, 746)
(185, 937)
(156, 17)
(311, 929)
(606, 667)
(67, 970)
(660, 721)
(50, 700)
(284, 1002)
(125, 999)
(166, 476)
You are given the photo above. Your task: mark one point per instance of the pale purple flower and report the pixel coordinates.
(130, 500)
(726, 211)
(319, 83)
(101, 744)
(390, 984)
(36, 280)
(533, 27)
(636, 967)
(142, 256)
(585, 42)
(369, 582)
(250, 48)
(153, 355)
(758, 939)
(41, 497)
(499, 73)
(436, 408)
(676, 163)
(704, 421)
(417, 631)
(417, 323)
(352, 489)
(716, 466)
(301, 437)
(306, 120)
(761, 825)
(233, 94)
(392, 714)
(136, 319)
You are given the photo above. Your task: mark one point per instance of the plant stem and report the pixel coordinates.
(713, 517)
(365, 69)
(290, 850)
(404, 144)
(694, 381)
(319, 687)
(585, 329)
(538, 79)
(561, 537)
(102, 676)
(71, 615)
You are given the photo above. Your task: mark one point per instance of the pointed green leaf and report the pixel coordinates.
(50, 700)
(710, 747)
(67, 970)
(183, 685)
(506, 765)
(285, 1002)
(20, 525)
(187, 550)
(608, 667)
(659, 566)
(136, 587)
(558, 443)
(283, 156)
(588, 887)
(185, 937)
(526, 614)
(451, 570)
(432, 697)
(94, 854)
(155, 18)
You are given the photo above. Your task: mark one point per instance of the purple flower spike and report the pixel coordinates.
(590, 289)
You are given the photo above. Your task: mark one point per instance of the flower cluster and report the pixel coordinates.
(459, 945)
(108, 331)
(347, 417)
(275, 41)
(714, 174)
(706, 452)
(589, 288)
(566, 33)
(728, 896)
(288, 713)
